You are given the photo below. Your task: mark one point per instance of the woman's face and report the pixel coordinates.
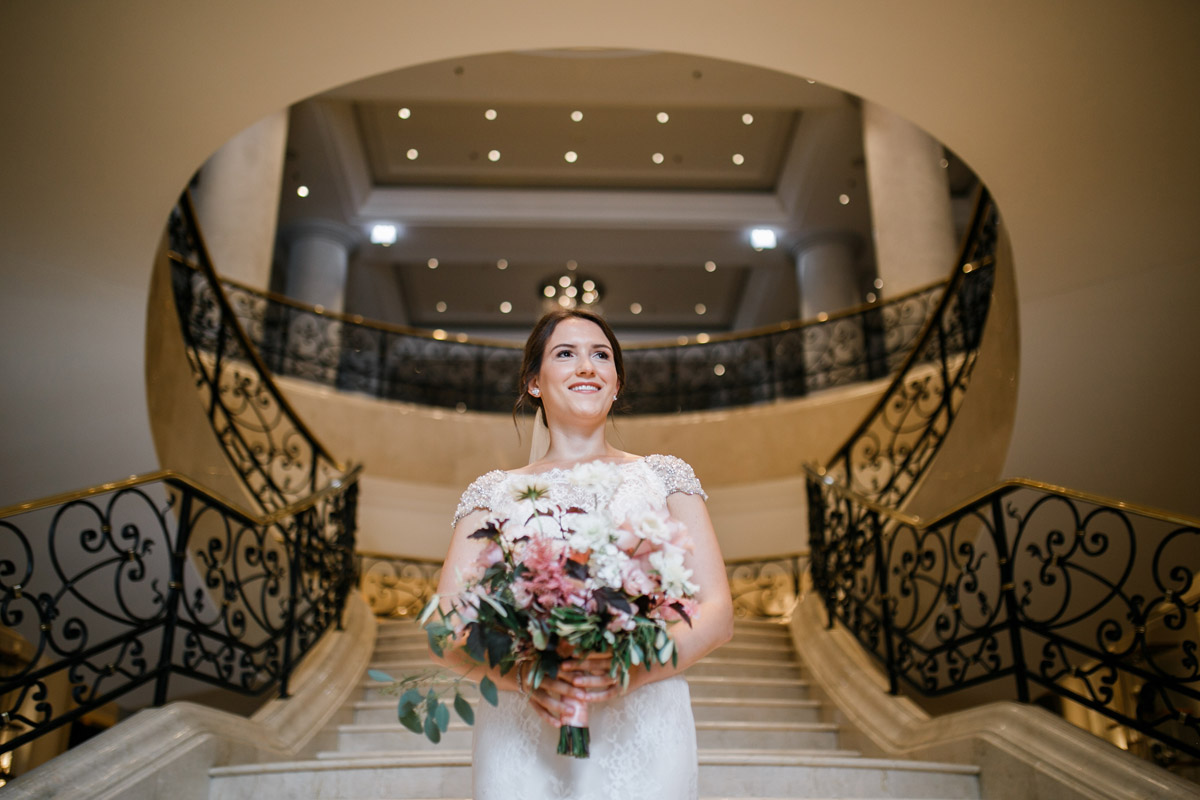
(578, 377)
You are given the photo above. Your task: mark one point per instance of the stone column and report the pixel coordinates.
(318, 257)
(910, 202)
(827, 275)
(237, 200)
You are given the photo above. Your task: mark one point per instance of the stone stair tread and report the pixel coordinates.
(754, 702)
(704, 725)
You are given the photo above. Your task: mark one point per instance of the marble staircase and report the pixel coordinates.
(759, 735)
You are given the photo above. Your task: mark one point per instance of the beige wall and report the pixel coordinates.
(1081, 116)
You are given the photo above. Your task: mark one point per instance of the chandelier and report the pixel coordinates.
(571, 290)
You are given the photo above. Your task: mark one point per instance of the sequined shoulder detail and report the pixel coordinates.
(479, 494)
(676, 474)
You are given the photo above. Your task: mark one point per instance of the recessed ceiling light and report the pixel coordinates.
(439, 334)
(635, 308)
(384, 234)
(412, 154)
(490, 114)
(570, 156)
(564, 301)
(502, 263)
(460, 337)
(945, 163)
(302, 191)
(762, 239)
(844, 199)
(589, 286)
(663, 117)
(404, 113)
(493, 155)
(719, 370)
(433, 263)
(871, 298)
(701, 308)
(657, 158)
(576, 116)
(810, 80)
(710, 266)
(702, 338)
(505, 307)
(572, 265)
(822, 317)
(549, 291)
(682, 340)
(441, 306)
(564, 281)
(747, 119)
(739, 159)
(572, 291)
(878, 283)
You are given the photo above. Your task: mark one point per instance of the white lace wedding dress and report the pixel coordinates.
(643, 745)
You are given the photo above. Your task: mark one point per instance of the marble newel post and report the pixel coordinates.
(237, 200)
(827, 275)
(910, 202)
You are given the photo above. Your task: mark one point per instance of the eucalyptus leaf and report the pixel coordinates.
(431, 730)
(411, 720)
(427, 612)
(382, 677)
(441, 716)
(464, 709)
(488, 690)
(410, 699)
(434, 644)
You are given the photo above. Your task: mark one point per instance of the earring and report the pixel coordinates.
(614, 398)
(535, 392)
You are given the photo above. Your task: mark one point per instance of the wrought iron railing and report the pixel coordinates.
(767, 588)
(891, 450)
(120, 587)
(456, 371)
(1057, 592)
(277, 457)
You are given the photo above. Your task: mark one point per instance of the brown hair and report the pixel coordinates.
(535, 349)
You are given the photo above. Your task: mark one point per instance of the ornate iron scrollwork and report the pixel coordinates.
(122, 588)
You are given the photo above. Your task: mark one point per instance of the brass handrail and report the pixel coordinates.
(251, 517)
(462, 338)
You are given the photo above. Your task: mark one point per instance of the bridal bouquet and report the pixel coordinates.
(555, 583)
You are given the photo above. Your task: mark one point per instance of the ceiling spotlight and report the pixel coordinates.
(589, 286)
(502, 263)
(439, 334)
(739, 159)
(657, 158)
(383, 234)
(404, 113)
(576, 116)
(302, 191)
(635, 308)
(570, 156)
(702, 338)
(762, 239)
(490, 114)
(871, 298)
(493, 155)
(844, 199)
(572, 265)
(432, 263)
(412, 154)
(701, 309)
(663, 117)
(441, 306)
(572, 291)
(719, 370)
(564, 281)
(710, 266)
(550, 291)
(505, 307)
(945, 163)
(878, 283)
(747, 119)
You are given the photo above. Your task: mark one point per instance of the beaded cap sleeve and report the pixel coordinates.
(676, 474)
(480, 494)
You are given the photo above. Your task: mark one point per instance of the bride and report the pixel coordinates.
(643, 740)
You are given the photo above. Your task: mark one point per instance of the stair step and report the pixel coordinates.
(710, 735)
(710, 666)
(715, 709)
(709, 686)
(445, 774)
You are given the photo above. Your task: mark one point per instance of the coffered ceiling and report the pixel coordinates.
(642, 171)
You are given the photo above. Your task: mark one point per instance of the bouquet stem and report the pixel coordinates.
(573, 737)
(573, 741)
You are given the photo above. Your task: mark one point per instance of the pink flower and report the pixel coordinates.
(634, 579)
(545, 581)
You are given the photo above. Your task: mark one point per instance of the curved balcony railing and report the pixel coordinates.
(891, 450)
(765, 588)
(1055, 592)
(455, 371)
(277, 457)
(125, 585)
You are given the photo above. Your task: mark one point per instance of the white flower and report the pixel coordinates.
(653, 524)
(590, 531)
(606, 567)
(597, 477)
(676, 578)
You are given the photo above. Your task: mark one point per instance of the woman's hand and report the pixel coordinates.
(591, 673)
